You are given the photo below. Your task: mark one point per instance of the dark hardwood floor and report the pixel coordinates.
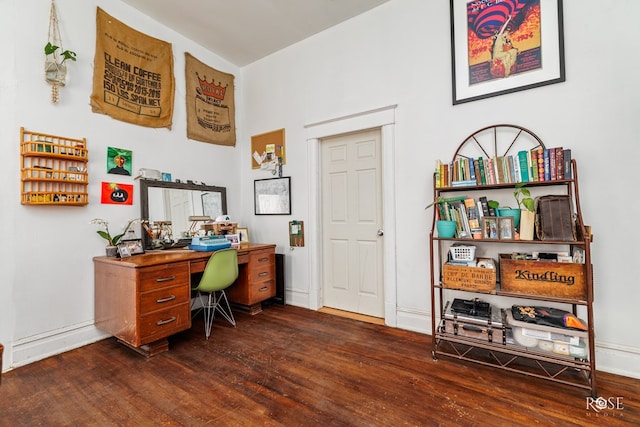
(290, 366)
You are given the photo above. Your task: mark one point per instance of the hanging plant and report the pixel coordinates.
(54, 67)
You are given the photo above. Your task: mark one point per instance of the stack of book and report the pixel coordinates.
(467, 212)
(536, 165)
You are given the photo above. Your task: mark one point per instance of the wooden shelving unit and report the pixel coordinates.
(53, 169)
(579, 372)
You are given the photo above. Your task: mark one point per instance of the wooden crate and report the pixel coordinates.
(556, 279)
(476, 279)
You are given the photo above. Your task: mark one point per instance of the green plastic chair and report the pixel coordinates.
(220, 273)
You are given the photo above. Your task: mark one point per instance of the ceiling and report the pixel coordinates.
(243, 31)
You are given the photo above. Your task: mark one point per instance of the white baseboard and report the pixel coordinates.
(38, 347)
(618, 359)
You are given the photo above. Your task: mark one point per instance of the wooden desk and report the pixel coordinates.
(146, 298)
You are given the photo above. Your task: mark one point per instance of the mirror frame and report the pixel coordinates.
(145, 184)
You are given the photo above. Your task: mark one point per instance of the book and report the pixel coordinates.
(484, 205)
(566, 156)
(513, 174)
(472, 214)
(545, 165)
(533, 154)
(559, 163)
(552, 164)
(524, 166)
(483, 176)
(491, 170)
(499, 166)
(540, 161)
(476, 169)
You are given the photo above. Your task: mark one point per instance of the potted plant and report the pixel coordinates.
(112, 241)
(446, 228)
(56, 69)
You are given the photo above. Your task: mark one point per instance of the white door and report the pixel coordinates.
(352, 245)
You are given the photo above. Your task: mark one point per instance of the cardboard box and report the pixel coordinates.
(555, 279)
(476, 279)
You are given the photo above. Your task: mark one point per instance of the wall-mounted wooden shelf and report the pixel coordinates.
(53, 169)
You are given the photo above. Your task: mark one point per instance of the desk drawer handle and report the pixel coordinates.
(164, 322)
(165, 279)
(264, 273)
(263, 259)
(263, 289)
(167, 299)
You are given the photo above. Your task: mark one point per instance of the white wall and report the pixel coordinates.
(399, 53)
(46, 295)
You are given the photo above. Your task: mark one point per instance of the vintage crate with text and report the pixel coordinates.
(556, 279)
(488, 329)
(476, 279)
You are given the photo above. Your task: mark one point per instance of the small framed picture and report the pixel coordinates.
(490, 227)
(244, 235)
(234, 239)
(123, 251)
(505, 228)
(133, 246)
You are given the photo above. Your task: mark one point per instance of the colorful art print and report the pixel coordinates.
(116, 194)
(500, 46)
(119, 161)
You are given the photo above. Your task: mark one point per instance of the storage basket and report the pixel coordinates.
(463, 252)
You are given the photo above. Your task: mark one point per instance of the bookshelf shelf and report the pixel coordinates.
(491, 142)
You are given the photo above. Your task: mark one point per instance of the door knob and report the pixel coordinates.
(380, 232)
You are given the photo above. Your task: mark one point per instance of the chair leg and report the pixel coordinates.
(213, 303)
(226, 313)
(209, 312)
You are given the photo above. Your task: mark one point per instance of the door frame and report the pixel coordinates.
(381, 118)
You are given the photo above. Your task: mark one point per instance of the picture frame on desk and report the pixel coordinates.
(505, 228)
(489, 227)
(132, 246)
(234, 239)
(244, 235)
(489, 36)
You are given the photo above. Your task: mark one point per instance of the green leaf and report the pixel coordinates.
(69, 55)
(50, 48)
(529, 203)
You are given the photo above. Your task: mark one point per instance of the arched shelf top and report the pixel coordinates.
(498, 140)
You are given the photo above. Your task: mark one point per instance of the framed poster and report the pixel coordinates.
(272, 196)
(505, 46)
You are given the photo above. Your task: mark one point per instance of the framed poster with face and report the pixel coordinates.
(500, 46)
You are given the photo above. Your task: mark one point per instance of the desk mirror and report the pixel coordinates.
(175, 202)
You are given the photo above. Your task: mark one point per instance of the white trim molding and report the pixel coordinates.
(380, 118)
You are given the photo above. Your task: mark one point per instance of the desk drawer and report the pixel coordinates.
(164, 298)
(263, 290)
(262, 266)
(161, 324)
(160, 276)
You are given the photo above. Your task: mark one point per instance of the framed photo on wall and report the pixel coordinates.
(272, 196)
(500, 46)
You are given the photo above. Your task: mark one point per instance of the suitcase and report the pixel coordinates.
(489, 329)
